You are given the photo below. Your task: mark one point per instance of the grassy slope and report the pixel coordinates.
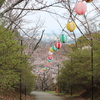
(74, 96)
(11, 95)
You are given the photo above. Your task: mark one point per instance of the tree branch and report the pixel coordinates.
(9, 8)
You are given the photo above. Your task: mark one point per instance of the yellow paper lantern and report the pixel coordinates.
(50, 49)
(44, 69)
(71, 26)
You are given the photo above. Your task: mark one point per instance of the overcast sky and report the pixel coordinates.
(50, 24)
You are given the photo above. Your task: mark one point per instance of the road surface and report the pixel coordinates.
(45, 96)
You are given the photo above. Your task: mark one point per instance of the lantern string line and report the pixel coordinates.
(62, 30)
(56, 36)
(41, 71)
(70, 18)
(48, 62)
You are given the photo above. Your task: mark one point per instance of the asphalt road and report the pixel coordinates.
(45, 96)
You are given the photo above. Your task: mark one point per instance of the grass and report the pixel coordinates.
(72, 95)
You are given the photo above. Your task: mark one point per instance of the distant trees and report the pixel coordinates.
(45, 81)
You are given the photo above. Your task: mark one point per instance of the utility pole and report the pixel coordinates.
(92, 65)
(71, 76)
(21, 75)
(58, 79)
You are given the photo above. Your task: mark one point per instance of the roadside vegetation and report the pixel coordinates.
(13, 65)
(76, 73)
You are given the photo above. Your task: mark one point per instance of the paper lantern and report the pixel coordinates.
(41, 70)
(44, 69)
(88, 1)
(49, 60)
(38, 72)
(63, 38)
(54, 48)
(50, 57)
(47, 65)
(71, 26)
(58, 45)
(50, 49)
(80, 7)
(50, 53)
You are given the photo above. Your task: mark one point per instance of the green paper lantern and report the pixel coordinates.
(54, 48)
(49, 60)
(46, 67)
(63, 38)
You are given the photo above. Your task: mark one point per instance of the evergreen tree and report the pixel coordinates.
(77, 71)
(13, 62)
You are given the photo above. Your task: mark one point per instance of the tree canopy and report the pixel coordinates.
(13, 62)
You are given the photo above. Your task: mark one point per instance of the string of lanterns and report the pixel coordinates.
(63, 38)
(80, 9)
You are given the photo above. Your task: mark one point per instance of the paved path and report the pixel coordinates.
(45, 96)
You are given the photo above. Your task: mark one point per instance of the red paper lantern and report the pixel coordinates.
(58, 45)
(88, 0)
(80, 7)
(37, 74)
(48, 64)
(40, 71)
(50, 57)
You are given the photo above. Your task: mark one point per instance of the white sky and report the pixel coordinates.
(51, 26)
